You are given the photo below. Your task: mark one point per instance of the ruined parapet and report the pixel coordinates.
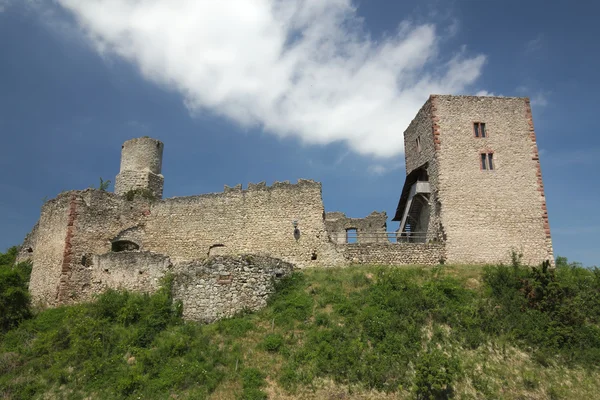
(222, 286)
(371, 229)
(141, 165)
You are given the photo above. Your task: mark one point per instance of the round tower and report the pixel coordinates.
(141, 164)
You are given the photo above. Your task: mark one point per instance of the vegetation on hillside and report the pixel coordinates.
(360, 332)
(14, 296)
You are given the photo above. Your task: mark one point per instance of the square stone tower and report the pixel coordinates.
(474, 180)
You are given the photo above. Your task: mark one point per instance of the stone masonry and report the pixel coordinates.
(481, 212)
(88, 241)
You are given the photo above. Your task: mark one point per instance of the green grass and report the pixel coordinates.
(359, 332)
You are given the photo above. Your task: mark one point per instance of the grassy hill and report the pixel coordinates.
(354, 333)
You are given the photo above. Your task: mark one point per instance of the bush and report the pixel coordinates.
(252, 381)
(273, 342)
(15, 301)
(554, 310)
(435, 375)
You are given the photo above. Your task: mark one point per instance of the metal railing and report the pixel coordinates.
(383, 237)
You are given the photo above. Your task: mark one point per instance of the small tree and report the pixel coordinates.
(14, 296)
(104, 184)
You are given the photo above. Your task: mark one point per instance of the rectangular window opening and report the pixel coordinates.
(483, 161)
(419, 144)
(479, 128)
(351, 235)
(491, 161)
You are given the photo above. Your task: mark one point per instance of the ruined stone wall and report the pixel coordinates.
(487, 214)
(72, 228)
(371, 229)
(78, 225)
(394, 253)
(49, 245)
(257, 220)
(220, 287)
(130, 270)
(425, 127)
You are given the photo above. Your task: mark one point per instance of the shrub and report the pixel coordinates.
(555, 310)
(435, 375)
(273, 342)
(14, 295)
(252, 381)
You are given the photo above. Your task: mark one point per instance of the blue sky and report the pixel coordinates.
(245, 92)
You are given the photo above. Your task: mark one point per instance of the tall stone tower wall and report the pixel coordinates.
(484, 212)
(141, 165)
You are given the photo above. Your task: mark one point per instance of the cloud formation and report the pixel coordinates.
(299, 68)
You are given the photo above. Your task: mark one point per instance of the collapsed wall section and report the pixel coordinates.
(221, 287)
(371, 229)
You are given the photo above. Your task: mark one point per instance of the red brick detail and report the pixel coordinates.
(68, 251)
(536, 158)
(435, 123)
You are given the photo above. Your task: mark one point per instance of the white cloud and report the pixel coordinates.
(299, 68)
(484, 93)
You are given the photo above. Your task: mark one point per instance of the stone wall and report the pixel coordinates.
(96, 218)
(425, 128)
(487, 214)
(394, 253)
(257, 220)
(134, 180)
(130, 270)
(220, 287)
(371, 229)
(48, 244)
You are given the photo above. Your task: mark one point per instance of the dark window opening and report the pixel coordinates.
(313, 256)
(29, 250)
(479, 128)
(351, 235)
(124, 245)
(487, 161)
(418, 144)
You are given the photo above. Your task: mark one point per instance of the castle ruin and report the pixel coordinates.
(473, 194)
